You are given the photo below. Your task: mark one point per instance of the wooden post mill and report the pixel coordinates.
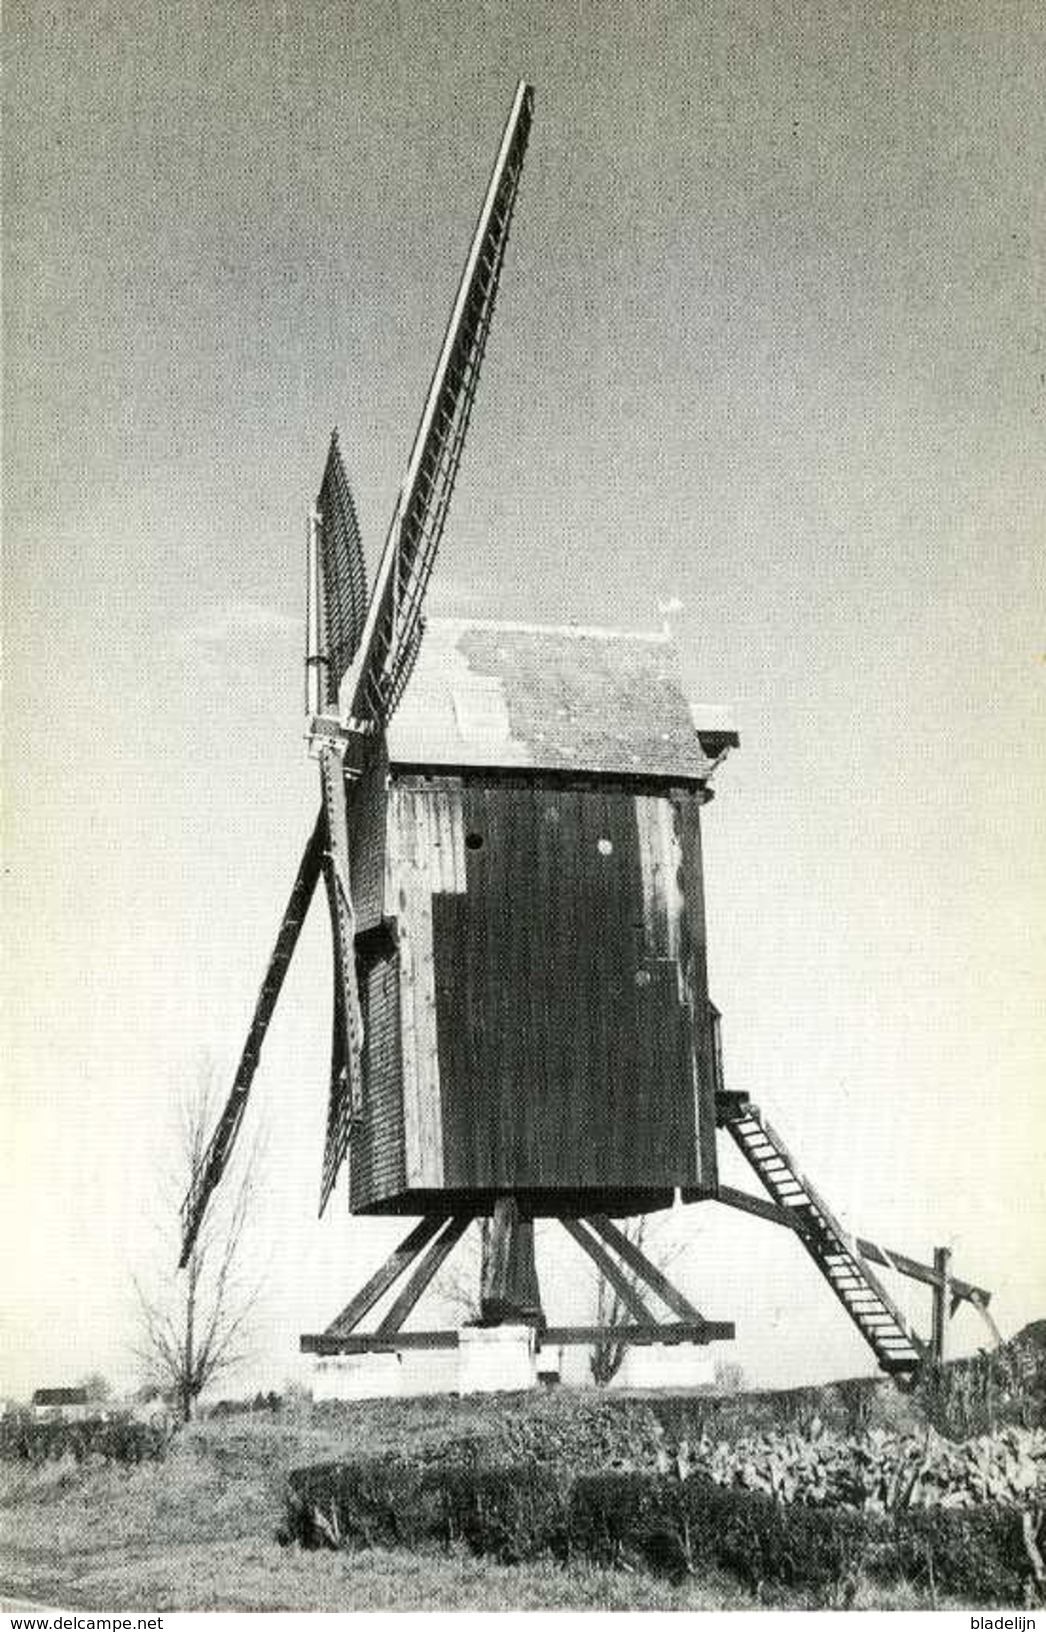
(509, 837)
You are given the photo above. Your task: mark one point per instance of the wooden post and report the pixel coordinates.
(509, 1289)
(941, 1299)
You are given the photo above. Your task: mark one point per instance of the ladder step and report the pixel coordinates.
(867, 1304)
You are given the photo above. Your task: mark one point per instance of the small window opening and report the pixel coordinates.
(473, 841)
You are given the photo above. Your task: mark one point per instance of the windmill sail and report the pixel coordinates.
(216, 1156)
(344, 575)
(363, 659)
(393, 629)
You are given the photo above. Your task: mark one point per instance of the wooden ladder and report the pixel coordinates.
(835, 1252)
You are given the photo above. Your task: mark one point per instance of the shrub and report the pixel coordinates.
(125, 1441)
(876, 1471)
(988, 1390)
(685, 1528)
(674, 1527)
(512, 1513)
(384, 1502)
(973, 1553)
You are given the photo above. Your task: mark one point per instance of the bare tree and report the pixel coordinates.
(609, 1352)
(193, 1324)
(96, 1387)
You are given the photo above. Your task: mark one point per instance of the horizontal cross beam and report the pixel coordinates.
(709, 1331)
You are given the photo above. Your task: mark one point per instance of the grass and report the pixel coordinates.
(199, 1531)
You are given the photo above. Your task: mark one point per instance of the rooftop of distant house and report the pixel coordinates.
(60, 1396)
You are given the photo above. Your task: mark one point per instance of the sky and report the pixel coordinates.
(769, 342)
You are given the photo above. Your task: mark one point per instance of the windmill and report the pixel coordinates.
(509, 839)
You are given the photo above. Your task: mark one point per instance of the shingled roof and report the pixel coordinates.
(506, 695)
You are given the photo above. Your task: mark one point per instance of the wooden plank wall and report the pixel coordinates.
(376, 1150)
(545, 970)
(367, 829)
(425, 861)
(686, 804)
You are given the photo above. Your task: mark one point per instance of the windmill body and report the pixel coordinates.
(510, 843)
(533, 980)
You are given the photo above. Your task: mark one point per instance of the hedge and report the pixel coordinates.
(674, 1527)
(119, 1441)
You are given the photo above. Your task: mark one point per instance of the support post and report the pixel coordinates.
(509, 1289)
(942, 1258)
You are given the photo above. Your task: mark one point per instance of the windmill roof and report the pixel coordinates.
(511, 695)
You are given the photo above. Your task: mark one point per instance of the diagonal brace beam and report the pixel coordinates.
(641, 1265)
(390, 1271)
(607, 1267)
(432, 1259)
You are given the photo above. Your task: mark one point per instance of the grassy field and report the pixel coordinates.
(199, 1532)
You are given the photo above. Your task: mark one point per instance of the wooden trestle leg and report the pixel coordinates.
(430, 1261)
(509, 1289)
(391, 1270)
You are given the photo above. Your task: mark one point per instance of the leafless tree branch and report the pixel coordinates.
(194, 1325)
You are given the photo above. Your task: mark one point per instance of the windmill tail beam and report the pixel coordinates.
(758, 1207)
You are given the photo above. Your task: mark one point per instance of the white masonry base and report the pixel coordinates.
(496, 1359)
(665, 1365)
(488, 1360)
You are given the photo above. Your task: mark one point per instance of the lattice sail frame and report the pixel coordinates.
(393, 631)
(346, 1084)
(343, 572)
(378, 651)
(216, 1156)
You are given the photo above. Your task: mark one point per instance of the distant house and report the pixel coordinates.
(60, 1404)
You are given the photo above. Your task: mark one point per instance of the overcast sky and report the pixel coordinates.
(770, 340)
